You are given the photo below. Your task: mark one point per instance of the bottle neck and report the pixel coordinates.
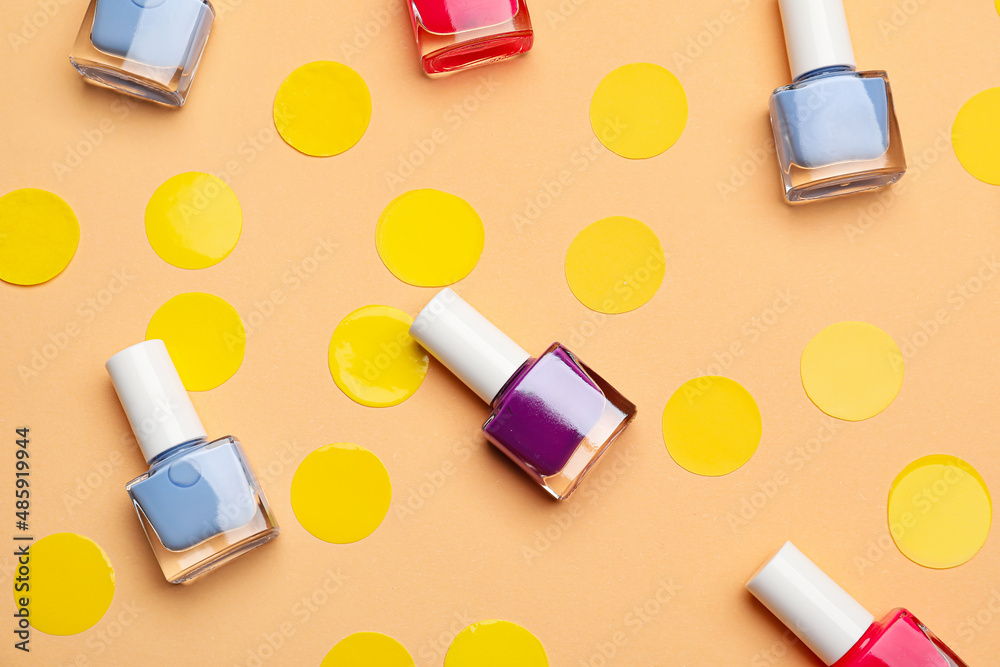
(514, 379)
(177, 450)
(822, 71)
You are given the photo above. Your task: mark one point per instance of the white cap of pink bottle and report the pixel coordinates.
(823, 615)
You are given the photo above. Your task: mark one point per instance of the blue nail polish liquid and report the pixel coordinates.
(835, 132)
(146, 48)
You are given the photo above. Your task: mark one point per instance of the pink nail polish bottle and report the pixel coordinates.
(838, 629)
(454, 35)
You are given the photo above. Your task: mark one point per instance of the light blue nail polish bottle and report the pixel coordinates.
(146, 48)
(200, 502)
(834, 128)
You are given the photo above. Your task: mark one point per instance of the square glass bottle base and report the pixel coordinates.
(150, 51)
(836, 134)
(454, 35)
(185, 566)
(556, 418)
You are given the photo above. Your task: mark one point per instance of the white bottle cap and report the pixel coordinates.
(816, 35)
(811, 604)
(155, 401)
(468, 344)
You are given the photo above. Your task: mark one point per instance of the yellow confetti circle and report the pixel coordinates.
(711, 426)
(495, 644)
(852, 370)
(373, 358)
(939, 511)
(193, 220)
(39, 234)
(341, 493)
(615, 265)
(368, 649)
(638, 111)
(976, 136)
(322, 108)
(430, 238)
(71, 583)
(205, 338)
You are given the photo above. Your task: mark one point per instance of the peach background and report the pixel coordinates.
(640, 520)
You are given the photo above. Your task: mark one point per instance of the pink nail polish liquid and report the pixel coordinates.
(453, 35)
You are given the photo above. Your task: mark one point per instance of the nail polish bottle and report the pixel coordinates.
(145, 48)
(454, 35)
(834, 128)
(200, 502)
(552, 416)
(838, 629)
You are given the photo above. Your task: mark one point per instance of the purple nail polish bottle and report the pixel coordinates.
(552, 415)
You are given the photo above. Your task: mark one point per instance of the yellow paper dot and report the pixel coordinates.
(852, 370)
(939, 511)
(341, 493)
(368, 649)
(373, 358)
(193, 220)
(204, 336)
(72, 584)
(495, 644)
(711, 426)
(430, 238)
(976, 136)
(639, 110)
(615, 265)
(323, 108)
(39, 234)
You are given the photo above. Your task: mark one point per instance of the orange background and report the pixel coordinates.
(476, 546)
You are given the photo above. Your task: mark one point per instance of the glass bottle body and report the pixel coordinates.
(836, 133)
(201, 506)
(555, 418)
(144, 48)
(453, 35)
(899, 640)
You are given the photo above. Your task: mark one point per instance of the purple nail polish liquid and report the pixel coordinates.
(553, 416)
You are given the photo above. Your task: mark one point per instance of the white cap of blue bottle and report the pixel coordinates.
(468, 344)
(816, 35)
(823, 615)
(155, 401)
